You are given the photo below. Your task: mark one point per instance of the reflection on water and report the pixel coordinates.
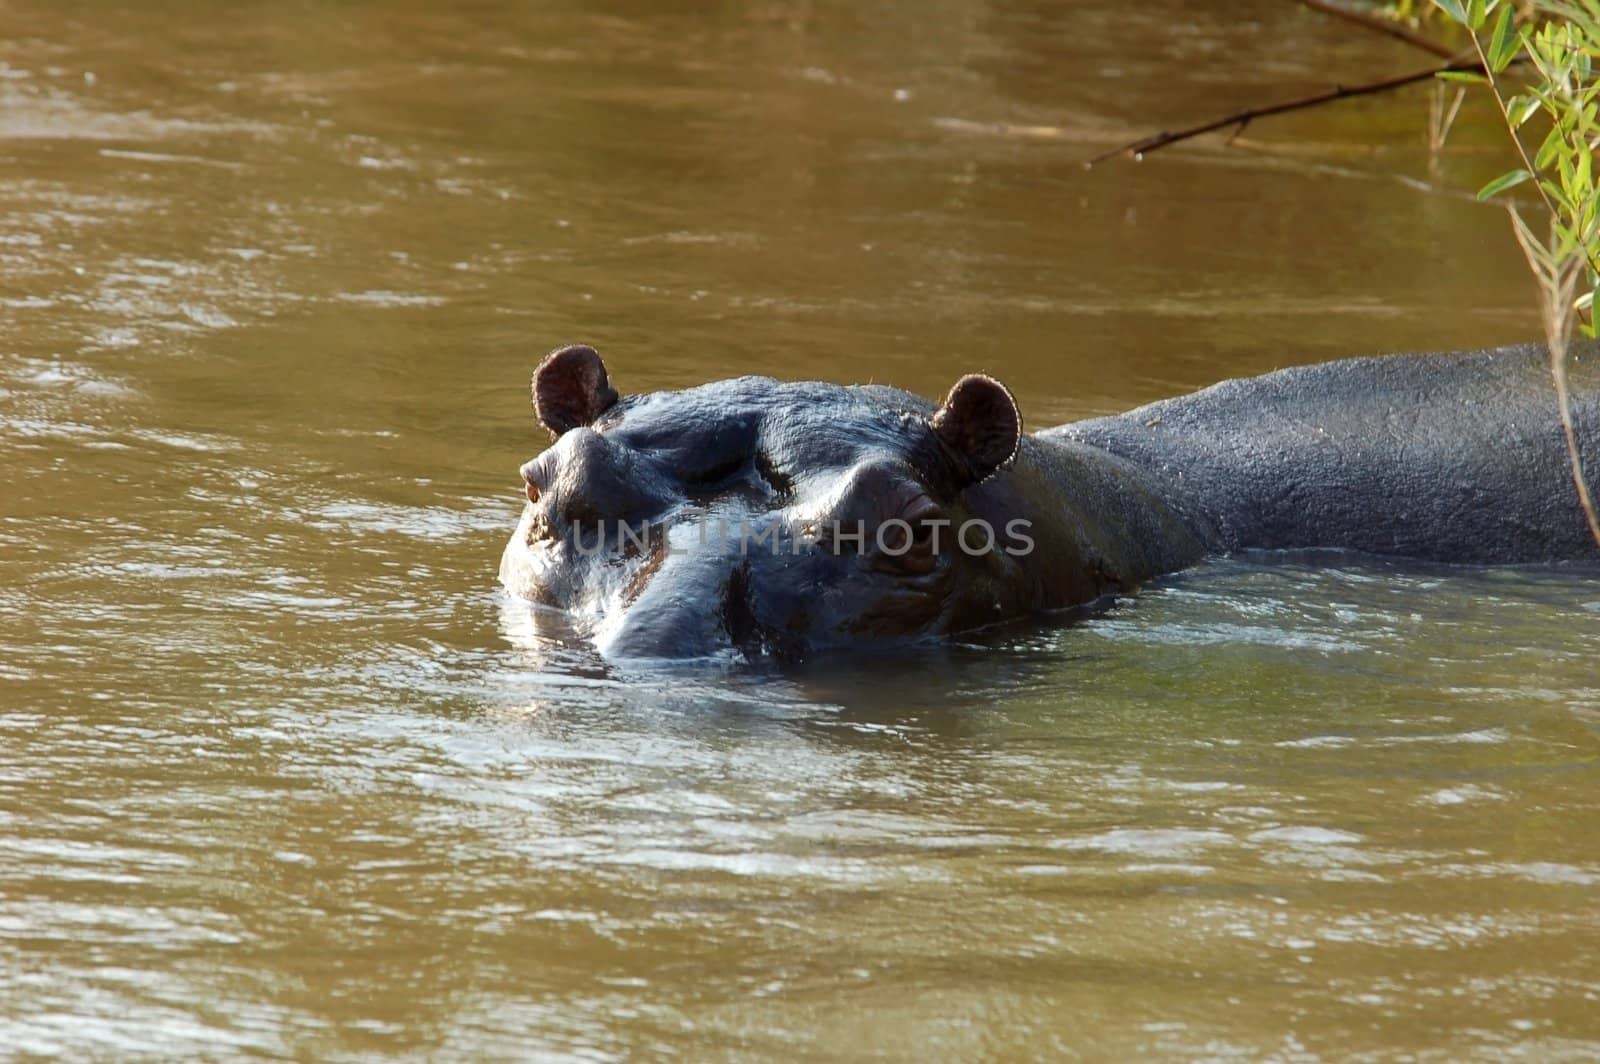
(284, 774)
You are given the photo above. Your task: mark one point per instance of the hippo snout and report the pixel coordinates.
(701, 604)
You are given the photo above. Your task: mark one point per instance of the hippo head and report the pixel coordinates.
(755, 518)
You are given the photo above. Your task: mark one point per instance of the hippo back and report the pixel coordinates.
(1457, 458)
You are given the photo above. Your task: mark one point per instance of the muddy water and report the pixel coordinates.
(281, 774)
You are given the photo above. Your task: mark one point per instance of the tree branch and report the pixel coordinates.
(1379, 24)
(1157, 141)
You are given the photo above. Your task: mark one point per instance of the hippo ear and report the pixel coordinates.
(979, 426)
(570, 388)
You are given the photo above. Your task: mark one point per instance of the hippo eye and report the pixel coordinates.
(907, 551)
(911, 549)
(925, 517)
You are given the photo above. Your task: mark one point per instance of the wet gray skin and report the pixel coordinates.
(760, 519)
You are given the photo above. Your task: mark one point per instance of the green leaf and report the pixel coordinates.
(1504, 42)
(1503, 182)
(1462, 75)
(1586, 118)
(1547, 151)
(1453, 9)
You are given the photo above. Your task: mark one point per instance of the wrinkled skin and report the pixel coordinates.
(652, 519)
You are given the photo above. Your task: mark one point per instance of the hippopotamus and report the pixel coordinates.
(758, 519)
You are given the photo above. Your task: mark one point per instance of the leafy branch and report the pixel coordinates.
(1563, 46)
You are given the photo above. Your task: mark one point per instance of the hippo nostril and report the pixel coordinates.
(738, 619)
(530, 480)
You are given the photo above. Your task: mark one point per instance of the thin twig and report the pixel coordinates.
(1157, 141)
(1558, 284)
(1450, 116)
(1387, 27)
(1558, 369)
(1558, 293)
(1440, 119)
(1511, 127)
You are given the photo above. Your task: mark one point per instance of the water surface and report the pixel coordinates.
(283, 774)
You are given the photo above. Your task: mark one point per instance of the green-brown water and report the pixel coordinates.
(282, 775)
